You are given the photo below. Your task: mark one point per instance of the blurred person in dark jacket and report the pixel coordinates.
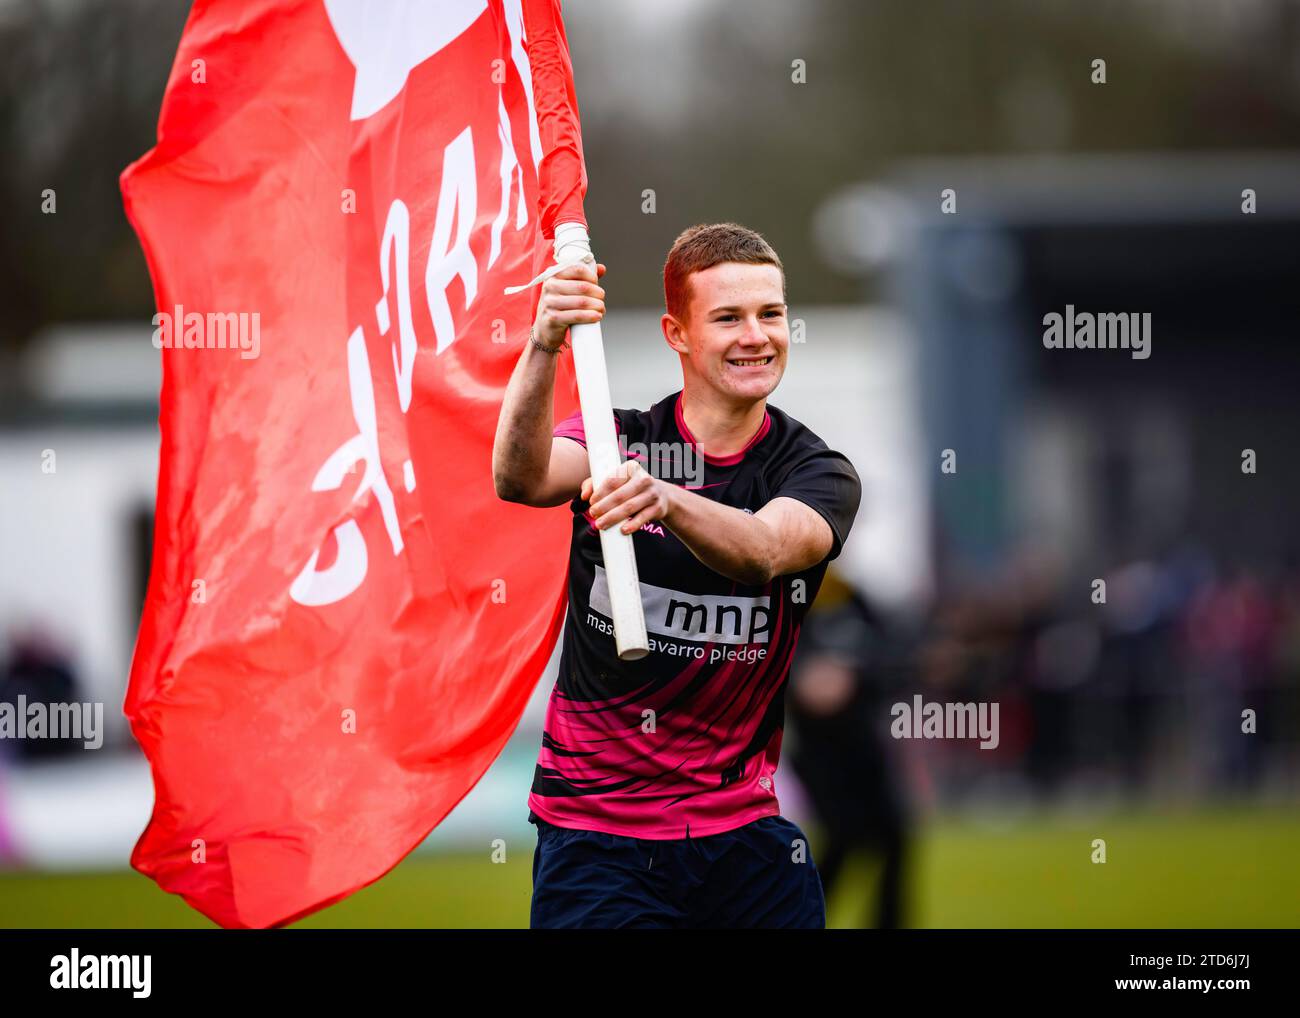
(38, 671)
(843, 678)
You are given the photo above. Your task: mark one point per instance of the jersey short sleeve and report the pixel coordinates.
(571, 427)
(826, 481)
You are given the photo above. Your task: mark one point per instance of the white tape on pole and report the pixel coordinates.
(572, 244)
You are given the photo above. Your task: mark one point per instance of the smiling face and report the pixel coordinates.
(736, 336)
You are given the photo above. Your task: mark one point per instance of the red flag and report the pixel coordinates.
(343, 622)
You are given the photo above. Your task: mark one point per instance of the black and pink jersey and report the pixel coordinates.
(686, 740)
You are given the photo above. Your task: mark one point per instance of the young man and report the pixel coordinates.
(653, 795)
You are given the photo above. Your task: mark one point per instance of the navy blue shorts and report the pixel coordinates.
(759, 876)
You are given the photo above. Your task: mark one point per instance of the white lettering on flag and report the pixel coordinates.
(457, 200)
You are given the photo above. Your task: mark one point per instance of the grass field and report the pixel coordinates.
(1223, 868)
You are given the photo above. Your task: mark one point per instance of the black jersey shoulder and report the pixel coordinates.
(789, 443)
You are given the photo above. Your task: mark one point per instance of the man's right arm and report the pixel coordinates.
(529, 464)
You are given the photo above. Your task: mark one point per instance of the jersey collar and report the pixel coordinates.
(720, 461)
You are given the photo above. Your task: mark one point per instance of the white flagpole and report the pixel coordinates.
(573, 244)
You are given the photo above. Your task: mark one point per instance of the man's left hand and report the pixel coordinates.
(629, 496)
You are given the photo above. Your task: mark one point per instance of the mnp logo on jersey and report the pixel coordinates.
(340, 632)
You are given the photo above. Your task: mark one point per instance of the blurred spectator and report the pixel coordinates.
(842, 682)
(39, 671)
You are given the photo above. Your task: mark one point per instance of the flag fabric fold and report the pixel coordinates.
(562, 173)
(343, 623)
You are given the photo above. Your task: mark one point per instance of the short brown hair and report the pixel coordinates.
(704, 246)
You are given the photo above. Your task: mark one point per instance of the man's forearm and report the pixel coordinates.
(727, 540)
(521, 451)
